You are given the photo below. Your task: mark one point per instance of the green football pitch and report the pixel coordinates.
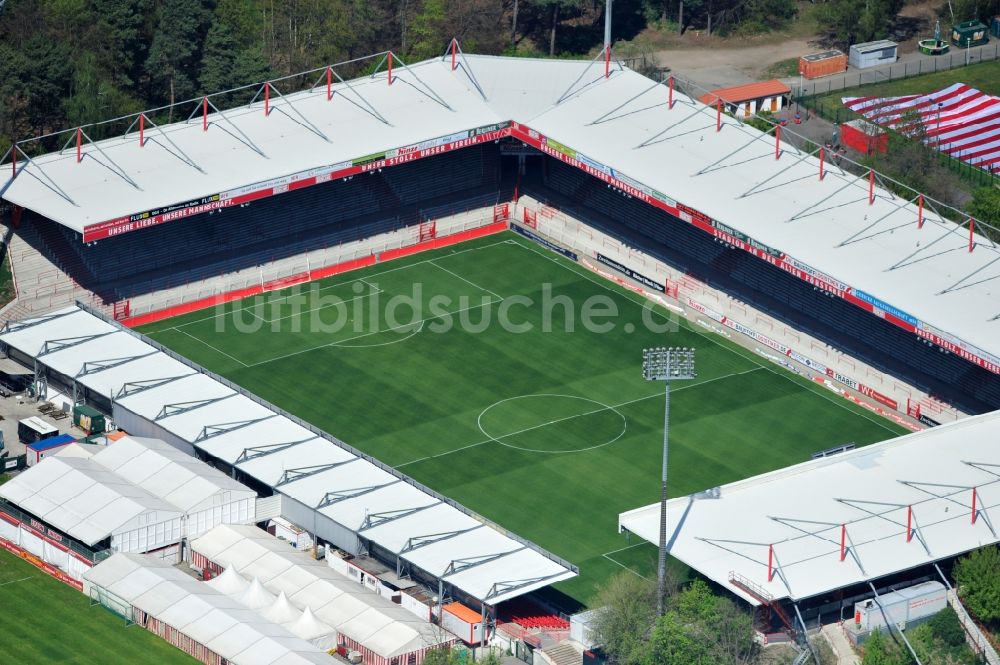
(484, 371)
(45, 621)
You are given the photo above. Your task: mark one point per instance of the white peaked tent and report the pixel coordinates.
(281, 611)
(308, 627)
(229, 582)
(255, 596)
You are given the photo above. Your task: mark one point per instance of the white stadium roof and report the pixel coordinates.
(298, 461)
(617, 128)
(351, 608)
(798, 515)
(224, 625)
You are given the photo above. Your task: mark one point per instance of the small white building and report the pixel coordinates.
(747, 100)
(872, 54)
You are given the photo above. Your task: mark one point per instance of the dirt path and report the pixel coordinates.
(720, 66)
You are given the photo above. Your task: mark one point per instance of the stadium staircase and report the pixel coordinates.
(42, 282)
(766, 600)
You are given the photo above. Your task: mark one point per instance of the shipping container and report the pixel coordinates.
(88, 419)
(901, 608)
(864, 137)
(39, 450)
(463, 622)
(34, 429)
(825, 63)
(872, 54)
(970, 33)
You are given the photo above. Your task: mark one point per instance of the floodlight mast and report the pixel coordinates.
(665, 364)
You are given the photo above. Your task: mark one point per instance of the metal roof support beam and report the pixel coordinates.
(416, 542)
(261, 451)
(805, 634)
(604, 118)
(980, 465)
(958, 285)
(891, 624)
(365, 104)
(305, 121)
(801, 158)
(298, 473)
(245, 139)
(913, 529)
(773, 564)
(655, 138)
(904, 261)
(118, 170)
(181, 154)
(11, 326)
(976, 511)
(177, 408)
(52, 345)
(741, 148)
(876, 222)
(457, 54)
(427, 90)
(802, 213)
(572, 85)
(375, 519)
(133, 387)
(500, 588)
(47, 181)
(336, 496)
(458, 565)
(95, 366)
(208, 431)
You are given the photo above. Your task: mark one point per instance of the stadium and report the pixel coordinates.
(221, 283)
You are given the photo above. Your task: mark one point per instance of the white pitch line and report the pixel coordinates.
(374, 332)
(212, 347)
(29, 577)
(622, 549)
(321, 307)
(467, 281)
(612, 407)
(711, 339)
(624, 566)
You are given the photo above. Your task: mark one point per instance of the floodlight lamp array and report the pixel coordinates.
(668, 363)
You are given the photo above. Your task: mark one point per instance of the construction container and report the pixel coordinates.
(995, 26)
(901, 608)
(970, 33)
(872, 54)
(39, 450)
(33, 429)
(865, 137)
(825, 63)
(88, 419)
(463, 622)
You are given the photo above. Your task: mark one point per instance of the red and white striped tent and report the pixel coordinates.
(960, 121)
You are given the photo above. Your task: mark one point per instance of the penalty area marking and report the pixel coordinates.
(420, 326)
(602, 407)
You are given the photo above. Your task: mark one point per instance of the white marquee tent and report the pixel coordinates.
(354, 611)
(158, 596)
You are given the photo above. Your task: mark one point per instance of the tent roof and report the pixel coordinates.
(85, 500)
(291, 456)
(350, 608)
(166, 472)
(868, 492)
(200, 612)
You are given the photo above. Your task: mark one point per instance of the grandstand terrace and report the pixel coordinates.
(884, 279)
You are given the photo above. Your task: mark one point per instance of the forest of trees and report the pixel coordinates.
(65, 63)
